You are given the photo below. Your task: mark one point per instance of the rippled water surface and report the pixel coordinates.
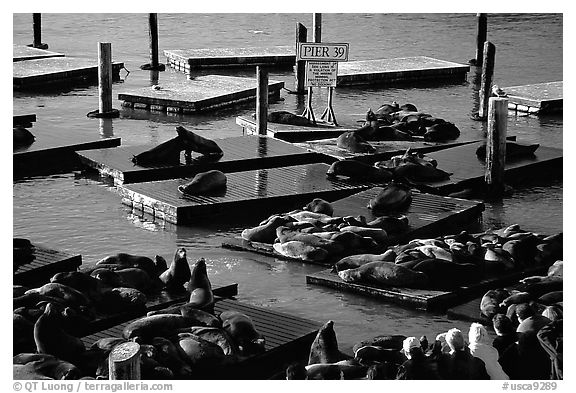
(83, 214)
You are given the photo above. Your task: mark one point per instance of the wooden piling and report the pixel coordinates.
(153, 35)
(481, 34)
(124, 361)
(262, 100)
(317, 27)
(496, 146)
(37, 28)
(300, 69)
(104, 83)
(486, 83)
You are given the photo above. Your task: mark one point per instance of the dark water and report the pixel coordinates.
(81, 214)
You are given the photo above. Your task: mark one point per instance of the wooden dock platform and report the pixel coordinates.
(288, 339)
(50, 153)
(203, 93)
(240, 154)
(468, 171)
(23, 120)
(291, 133)
(399, 70)
(189, 59)
(537, 98)
(45, 264)
(428, 215)
(46, 72)
(23, 52)
(263, 189)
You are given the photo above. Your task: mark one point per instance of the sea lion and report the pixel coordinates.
(354, 143)
(166, 153)
(205, 183)
(357, 170)
(444, 274)
(217, 336)
(51, 339)
(441, 132)
(134, 277)
(82, 282)
(22, 137)
(416, 173)
(265, 233)
(301, 250)
(387, 109)
(387, 341)
(242, 330)
(201, 295)
(391, 198)
(189, 310)
(284, 117)
(67, 295)
(194, 142)
(385, 273)
(107, 276)
(354, 261)
(122, 299)
(179, 271)
(369, 354)
(490, 303)
(324, 348)
(23, 329)
(200, 352)
(129, 260)
(379, 235)
(319, 205)
(41, 364)
(172, 356)
(162, 325)
(392, 225)
(160, 265)
(551, 298)
(285, 234)
(514, 150)
(348, 369)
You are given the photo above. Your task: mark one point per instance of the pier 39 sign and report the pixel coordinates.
(321, 62)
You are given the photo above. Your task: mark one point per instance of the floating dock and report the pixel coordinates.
(240, 154)
(41, 73)
(468, 171)
(189, 59)
(203, 93)
(263, 190)
(291, 133)
(51, 153)
(399, 71)
(288, 339)
(44, 264)
(539, 98)
(428, 215)
(23, 120)
(425, 299)
(23, 52)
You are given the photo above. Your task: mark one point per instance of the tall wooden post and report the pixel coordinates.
(262, 101)
(153, 35)
(317, 27)
(37, 31)
(300, 70)
(487, 74)
(496, 146)
(481, 34)
(104, 82)
(124, 361)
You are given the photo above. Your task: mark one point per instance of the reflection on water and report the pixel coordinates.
(83, 214)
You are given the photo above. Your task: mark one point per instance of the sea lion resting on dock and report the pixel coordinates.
(391, 198)
(324, 348)
(43, 366)
(129, 260)
(242, 330)
(357, 170)
(206, 183)
(385, 273)
(285, 117)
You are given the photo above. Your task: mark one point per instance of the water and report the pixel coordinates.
(81, 214)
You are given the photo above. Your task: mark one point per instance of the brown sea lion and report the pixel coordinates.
(196, 143)
(172, 357)
(369, 354)
(82, 282)
(200, 352)
(107, 276)
(386, 341)
(162, 325)
(160, 264)
(129, 260)
(551, 298)
(379, 235)
(265, 233)
(179, 271)
(516, 298)
(242, 330)
(357, 170)
(386, 274)
(391, 224)
(22, 339)
(441, 132)
(354, 261)
(324, 348)
(420, 173)
(301, 250)
(444, 274)
(122, 299)
(284, 117)
(166, 153)
(133, 277)
(190, 311)
(354, 143)
(285, 234)
(391, 198)
(348, 369)
(319, 205)
(217, 336)
(200, 288)
(66, 294)
(40, 364)
(206, 183)
(490, 303)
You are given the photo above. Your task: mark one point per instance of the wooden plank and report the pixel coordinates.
(399, 70)
(186, 59)
(428, 215)
(536, 98)
(468, 171)
(45, 264)
(203, 93)
(57, 70)
(285, 342)
(263, 189)
(22, 52)
(291, 133)
(240, 154)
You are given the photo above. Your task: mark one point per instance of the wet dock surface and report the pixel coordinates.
(45, 263)
(536, 98)
(22, 53)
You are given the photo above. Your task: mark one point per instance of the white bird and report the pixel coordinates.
(498, 92)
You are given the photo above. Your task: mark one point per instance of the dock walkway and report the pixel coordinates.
(203, 93)
(240, 154)
(288, 339)
(263, 189)
(538, 98)
(189, 59)
(23, 52)
(45, 263)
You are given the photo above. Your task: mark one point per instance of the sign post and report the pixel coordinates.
(321, 71)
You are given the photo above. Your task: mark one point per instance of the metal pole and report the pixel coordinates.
(300, 70)
(317, 27)
(496, 145)
(153, 23)
(262, 101)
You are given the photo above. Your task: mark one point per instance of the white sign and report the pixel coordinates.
(321, 51)
(321, 74)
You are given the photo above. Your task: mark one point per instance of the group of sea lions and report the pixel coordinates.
(315, 234)
(451, 261)
(538, 291)
(47, 319)
(392, 122)
(410, 167)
